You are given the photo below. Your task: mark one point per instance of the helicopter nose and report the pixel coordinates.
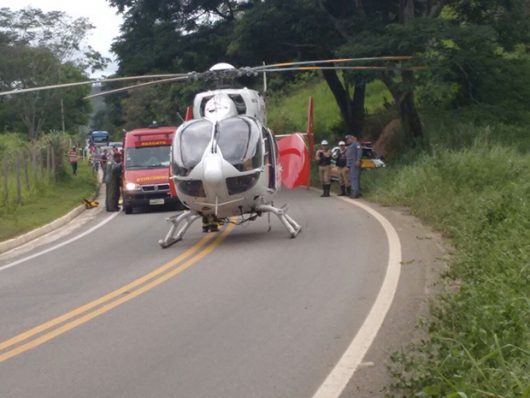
(214, 183)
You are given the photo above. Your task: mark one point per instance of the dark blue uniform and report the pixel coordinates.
(354, 154)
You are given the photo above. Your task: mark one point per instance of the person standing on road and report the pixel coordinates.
(354, 155)
(73, 159)
(96, 159)
(344, 174)
(113, 183)
(104, 159)
(324, 167)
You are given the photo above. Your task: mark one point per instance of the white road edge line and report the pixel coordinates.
(23, 260)
(344, 370)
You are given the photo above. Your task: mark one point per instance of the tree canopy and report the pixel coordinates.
(40, 49)
(464, 44)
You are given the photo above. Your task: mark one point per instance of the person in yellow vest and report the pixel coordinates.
(73, 159)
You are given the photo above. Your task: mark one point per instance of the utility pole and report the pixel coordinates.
(62, 113)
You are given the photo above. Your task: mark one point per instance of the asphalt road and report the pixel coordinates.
(240, 313)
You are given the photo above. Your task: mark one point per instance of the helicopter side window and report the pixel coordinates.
(240, 104)
(190, 144)
(203, 104)
(240, 143)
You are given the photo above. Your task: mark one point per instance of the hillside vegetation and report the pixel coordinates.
(477, 195)
(469, 181)
(287, 110)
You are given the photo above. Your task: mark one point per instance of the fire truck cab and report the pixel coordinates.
(146, 160)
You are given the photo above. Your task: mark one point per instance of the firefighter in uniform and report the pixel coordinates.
(324, 167)
(344, 174)
(209, 224)
(113, 183)
(354, 155)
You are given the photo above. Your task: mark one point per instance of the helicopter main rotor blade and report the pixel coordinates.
(174, 79)
(376, 68)
(65, 85)
(329, 61)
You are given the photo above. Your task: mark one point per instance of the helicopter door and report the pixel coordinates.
(270, 157)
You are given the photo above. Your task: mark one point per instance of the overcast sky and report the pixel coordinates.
(99, 13)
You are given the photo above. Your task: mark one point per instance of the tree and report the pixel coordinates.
(168, 36)
(462, 42)
(26, 66)
(76, 110)
(43, 49)
(305, 30)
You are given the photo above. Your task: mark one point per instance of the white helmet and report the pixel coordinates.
(324, 142)
(342, 143)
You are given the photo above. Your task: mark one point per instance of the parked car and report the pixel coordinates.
(370, 160)
(118, 145)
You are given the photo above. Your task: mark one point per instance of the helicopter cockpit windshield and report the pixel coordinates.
(239, 140)
(191, 142)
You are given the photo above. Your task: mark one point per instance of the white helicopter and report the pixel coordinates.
(225, 162)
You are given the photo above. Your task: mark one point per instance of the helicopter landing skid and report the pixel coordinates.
(291, 225)
(187, 218)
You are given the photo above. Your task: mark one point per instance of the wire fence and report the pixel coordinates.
(30, 168)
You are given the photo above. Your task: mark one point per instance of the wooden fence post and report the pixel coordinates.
(6, 180)
(41, 162)
(34, 161)
(17, 165)
(54, 160)
(26, 172)
(48, 160)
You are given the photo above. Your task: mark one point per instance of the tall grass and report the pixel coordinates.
(287, 113)
(472, 184)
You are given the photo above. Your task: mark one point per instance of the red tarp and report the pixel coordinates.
(294, 160)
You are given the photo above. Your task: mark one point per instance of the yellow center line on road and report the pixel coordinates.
(107, 307)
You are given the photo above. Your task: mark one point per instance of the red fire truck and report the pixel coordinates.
(146, 168)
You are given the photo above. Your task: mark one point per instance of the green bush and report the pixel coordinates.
(475, 190)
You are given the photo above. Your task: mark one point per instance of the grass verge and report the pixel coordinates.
(479, 343)
(49, 203)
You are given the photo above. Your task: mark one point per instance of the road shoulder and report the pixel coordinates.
(424, 258)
